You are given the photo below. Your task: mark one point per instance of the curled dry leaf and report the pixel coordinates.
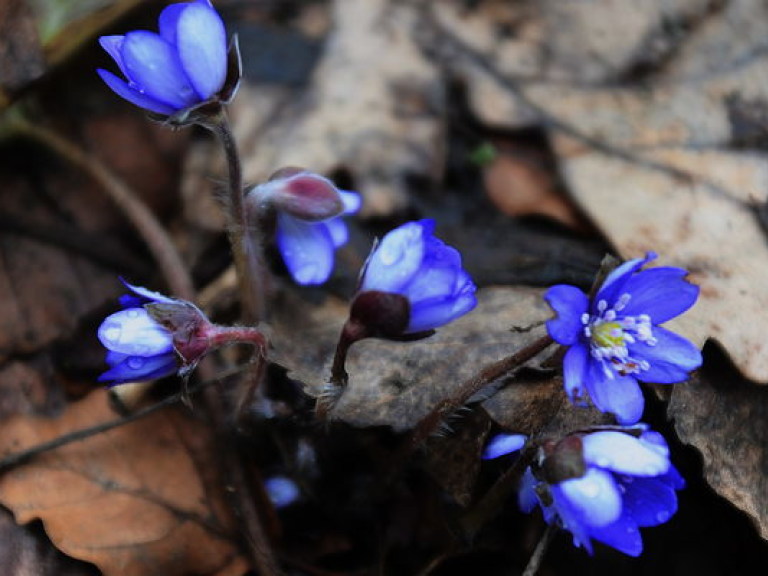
(724, 416)
(140, 499)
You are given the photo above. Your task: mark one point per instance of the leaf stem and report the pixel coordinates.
(541, 548)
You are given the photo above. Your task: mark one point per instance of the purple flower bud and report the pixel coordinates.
(300, 194)
(310, 225)
(282, 491)
(183, 65)
(604, 485)
(615, 339)
(424, 271)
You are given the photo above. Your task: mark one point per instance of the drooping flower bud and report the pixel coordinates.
(309, 210)
(155, 336)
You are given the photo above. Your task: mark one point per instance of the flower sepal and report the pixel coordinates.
(384, 315)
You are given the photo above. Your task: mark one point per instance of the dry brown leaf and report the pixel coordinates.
(724, 416)
(395, 384)
(140, 499)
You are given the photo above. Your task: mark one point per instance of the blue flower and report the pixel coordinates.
(138, 348)
(308, 247)
(613, 483)
(503, 444)
(615, 340)
(182, 66)
(410, 262)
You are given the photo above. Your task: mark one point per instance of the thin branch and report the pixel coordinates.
(153, 233)
(541, 548)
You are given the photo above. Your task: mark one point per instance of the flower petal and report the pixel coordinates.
(594, 499)
(570, 304)
(670, 360)
(307, 249)
(168, 22)
(620, 395)
(141, 368)
(575, 366)
(661, 293)
(352, 201)
(397, 258)
(122, 89)
(623, 535)
(337, 230)
(282, 491)
(114, 47)
(649, 501)
(440, 311)
(153, 66)
(201, 41)
(148, 295)
(613, 286)
(135, 333)
(623, 453)
(503, 444)
(526, 494)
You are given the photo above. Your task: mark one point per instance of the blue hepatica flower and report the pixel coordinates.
(411, 262)
(138, 348)
(615, 340)
(308, 247)
(184, 65)
(614, 482)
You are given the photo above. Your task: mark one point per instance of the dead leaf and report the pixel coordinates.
(139, 499)
(723, 416)
(395, 384)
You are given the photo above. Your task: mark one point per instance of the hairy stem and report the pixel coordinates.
(427, 426)
(538, 554)
(244, 238)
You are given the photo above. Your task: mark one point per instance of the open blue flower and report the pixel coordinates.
(615, 340)
(308, 247)
(624, 481)
(411, 262)
(184, 65)
(138, 348)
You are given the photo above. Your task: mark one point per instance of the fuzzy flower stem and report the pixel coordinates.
(427, 426)
(351, 332)
(140, 216)
(245, 243)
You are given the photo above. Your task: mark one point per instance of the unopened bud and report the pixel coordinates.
(298, 193)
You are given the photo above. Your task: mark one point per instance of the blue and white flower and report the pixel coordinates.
(138, 347)
(182, 66)
(604, 486)
(615, 339)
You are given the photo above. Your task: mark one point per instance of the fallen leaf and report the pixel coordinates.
(140, 499)
(395, 384)
(723, 416)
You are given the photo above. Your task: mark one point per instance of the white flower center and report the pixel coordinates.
(609, 333)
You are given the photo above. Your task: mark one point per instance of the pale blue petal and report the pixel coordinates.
(570, 304)
(135, 333)
(168, 22)
(282, 491)
(147, 294)
(397, 258)
(620, 395)
(202, 47)
(670, 360)
(613, 286)
(440, 311)
(337, 230)
(661, 293)
(114, 47)
(153, 66)
(623, 535)
(623, 453)
(503, 444)
(122, 89)
(307, 249)
(575, 366)
(351, 200)
(140, 369)
(594, 498)
(526, 495)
